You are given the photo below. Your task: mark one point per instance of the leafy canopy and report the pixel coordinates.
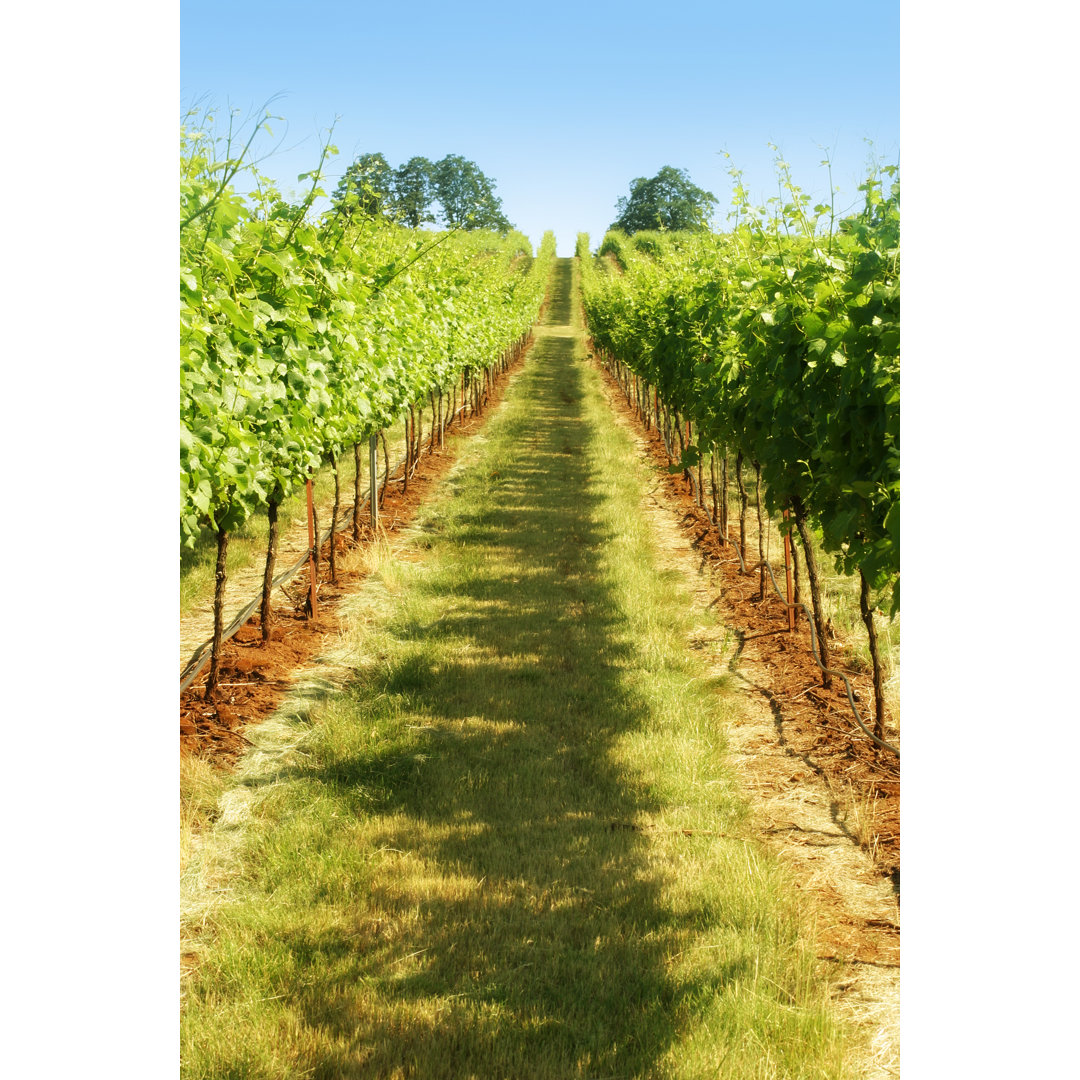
(413, 192)
(779, 339)
(666, 201)
(367, 187)
(465, 196)
(303, 334)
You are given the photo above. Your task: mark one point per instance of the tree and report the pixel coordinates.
(666, 201)
(467, 196)
(367, 186)
(413, 192)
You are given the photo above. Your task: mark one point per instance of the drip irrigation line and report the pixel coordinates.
(813, 634)
(202, 654)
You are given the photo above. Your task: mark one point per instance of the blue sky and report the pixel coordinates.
(561, 104)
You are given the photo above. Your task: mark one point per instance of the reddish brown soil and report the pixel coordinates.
(813, 723)
(254, 678)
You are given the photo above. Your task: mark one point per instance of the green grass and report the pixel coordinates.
(511, 848)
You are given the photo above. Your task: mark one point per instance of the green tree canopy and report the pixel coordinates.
(666, 201)
(367, 186)
(467, 196)
(413, 192)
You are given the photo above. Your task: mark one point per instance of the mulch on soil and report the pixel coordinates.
(254, 677)
(813, 723)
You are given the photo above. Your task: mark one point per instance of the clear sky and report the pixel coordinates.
(564, 103)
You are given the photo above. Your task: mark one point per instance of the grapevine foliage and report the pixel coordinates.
(300, 337)
(780, 339)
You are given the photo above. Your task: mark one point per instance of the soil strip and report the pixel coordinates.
(811, 723)
(822, 798)
(254, 676)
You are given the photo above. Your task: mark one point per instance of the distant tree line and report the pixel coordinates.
(464, 196)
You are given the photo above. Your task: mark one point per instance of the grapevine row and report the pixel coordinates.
(778, 340)
(302, 337)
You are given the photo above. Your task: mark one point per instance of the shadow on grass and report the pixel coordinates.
(554, 964)
(560, 306)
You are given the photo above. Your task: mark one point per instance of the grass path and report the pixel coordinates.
(511, 847)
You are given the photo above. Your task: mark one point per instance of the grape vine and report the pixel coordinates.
(780, 340)
(302, 336)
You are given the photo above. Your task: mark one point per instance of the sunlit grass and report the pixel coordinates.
(201, 786)
(512, 848)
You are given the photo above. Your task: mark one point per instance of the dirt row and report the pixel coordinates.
(255, 676)
(813, 725)
(811, 722)
(803, 775)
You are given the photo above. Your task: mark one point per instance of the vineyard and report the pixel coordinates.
(505, 838)
(300, 342)
(781, 346)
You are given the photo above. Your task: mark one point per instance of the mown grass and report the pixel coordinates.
(512, 848)
(201, 786)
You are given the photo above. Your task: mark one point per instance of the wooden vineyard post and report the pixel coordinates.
(742, 507)
(372, 467)
(724, 498)
(700, 477)
(712, 484)
(689, 473)
(356, 493)
(760, 532)
(875, 656)
(333, 516)
(787, 570)
(219, 607)
(313, 601)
